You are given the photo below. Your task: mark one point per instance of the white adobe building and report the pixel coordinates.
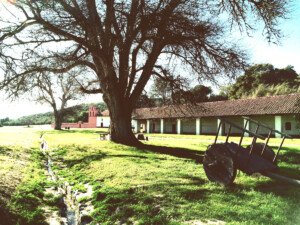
(277, 112)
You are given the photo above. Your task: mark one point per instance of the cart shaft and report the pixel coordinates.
(281, 178)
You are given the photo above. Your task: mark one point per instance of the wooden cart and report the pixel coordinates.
(222, 160)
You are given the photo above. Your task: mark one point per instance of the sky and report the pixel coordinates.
(287, 53)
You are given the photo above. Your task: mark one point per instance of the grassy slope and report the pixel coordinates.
(22, 178)
(161, 185)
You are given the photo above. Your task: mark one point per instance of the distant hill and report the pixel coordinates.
(73, 114)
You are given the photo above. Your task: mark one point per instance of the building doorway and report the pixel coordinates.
(174, 128)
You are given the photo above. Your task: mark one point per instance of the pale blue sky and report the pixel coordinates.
(288, 53)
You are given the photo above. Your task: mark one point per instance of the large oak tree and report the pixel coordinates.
(123, 43)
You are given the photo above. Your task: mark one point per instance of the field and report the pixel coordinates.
(162, 183)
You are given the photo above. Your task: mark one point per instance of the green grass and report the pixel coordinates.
(164, 183)
(22, 178)
(167, 185)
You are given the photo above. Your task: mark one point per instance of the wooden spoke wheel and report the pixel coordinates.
(219, 164)
(268, 155)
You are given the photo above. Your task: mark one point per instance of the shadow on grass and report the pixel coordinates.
(287, 191)
(292, 157)
(289, 172)
(6, 217)
(147, 202)
(177, 152)
(86, 160)
(181, 153)
(5, 150)
(82, 131)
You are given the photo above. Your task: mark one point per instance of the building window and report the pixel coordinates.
(288, 126)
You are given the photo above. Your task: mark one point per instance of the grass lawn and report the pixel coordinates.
(163, 183)
(22, 177)
(167, 185)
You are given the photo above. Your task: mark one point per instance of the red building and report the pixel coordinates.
(92, 122)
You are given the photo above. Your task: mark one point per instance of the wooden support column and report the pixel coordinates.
(198, 126)
(178, 126)
(278, 126)
(135, 125)
(148, 126)
(246, 127)
(221, 130)
(162, 126)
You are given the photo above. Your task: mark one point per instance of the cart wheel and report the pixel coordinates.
(268, 155)
(219, 164)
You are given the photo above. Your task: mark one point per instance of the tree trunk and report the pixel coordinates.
(58, 120)
(120, 125)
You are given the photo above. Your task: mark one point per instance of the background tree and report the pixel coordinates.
(170, 89)
(56, 91)
(271, 90)
(263, 80)
(4, 121)
(161, 89)
(83, 116)
(27, 121)
(222, 96)
(46, 88)
(144, 101)
(201, 93)
(123, 43)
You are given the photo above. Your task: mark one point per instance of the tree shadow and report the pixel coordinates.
(176, 152)
(5, 150)
(289, 172)
(282, 189)
(292, 157)
(6, 216)
(82, 131)
(86, 160)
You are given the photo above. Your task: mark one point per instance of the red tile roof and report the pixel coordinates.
(274, 105)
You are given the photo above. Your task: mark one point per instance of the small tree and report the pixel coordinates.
(56, 91)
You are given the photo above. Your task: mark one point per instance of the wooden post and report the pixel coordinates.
(162, 126)
(219, 127)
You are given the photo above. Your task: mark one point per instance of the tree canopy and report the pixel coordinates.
(121, 44)
(265, 79)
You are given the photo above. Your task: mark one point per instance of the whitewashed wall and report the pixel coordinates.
(295, 125)
(169, 123)
(267, 120)
(104, 119)
(209, 125)
(189, 126)
(238, 121)
(156, 125)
